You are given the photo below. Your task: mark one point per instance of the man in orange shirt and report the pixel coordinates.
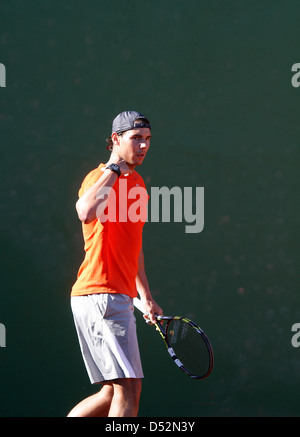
(113, 272)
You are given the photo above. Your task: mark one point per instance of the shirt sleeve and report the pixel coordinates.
(90, 179)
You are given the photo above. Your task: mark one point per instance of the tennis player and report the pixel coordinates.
(112, 274)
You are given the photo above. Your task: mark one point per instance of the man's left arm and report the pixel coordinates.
(149, 304)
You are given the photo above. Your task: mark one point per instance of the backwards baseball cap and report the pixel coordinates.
(128, 120)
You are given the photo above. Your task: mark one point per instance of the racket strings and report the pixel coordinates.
(190, 347)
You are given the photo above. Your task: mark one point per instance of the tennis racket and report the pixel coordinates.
(186, 343)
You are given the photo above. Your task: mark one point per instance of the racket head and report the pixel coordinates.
(188, 345)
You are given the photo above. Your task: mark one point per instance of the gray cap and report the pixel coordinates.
(127, 121)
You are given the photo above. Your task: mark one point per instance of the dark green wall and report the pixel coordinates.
(215, 80)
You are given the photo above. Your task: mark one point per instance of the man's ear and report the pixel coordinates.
(115, 138)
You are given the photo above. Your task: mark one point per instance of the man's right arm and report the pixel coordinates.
(88, 204)
(92, 203)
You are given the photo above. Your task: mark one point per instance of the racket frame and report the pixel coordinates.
(159, 327)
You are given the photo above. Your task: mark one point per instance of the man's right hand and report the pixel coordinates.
(125, 170)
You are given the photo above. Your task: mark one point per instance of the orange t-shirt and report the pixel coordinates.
(112, 245)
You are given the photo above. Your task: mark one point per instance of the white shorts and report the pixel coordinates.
(106, 329)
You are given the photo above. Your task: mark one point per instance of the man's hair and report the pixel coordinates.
(109, 143)
(109, 140)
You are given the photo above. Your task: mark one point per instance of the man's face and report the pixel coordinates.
(134, 145)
